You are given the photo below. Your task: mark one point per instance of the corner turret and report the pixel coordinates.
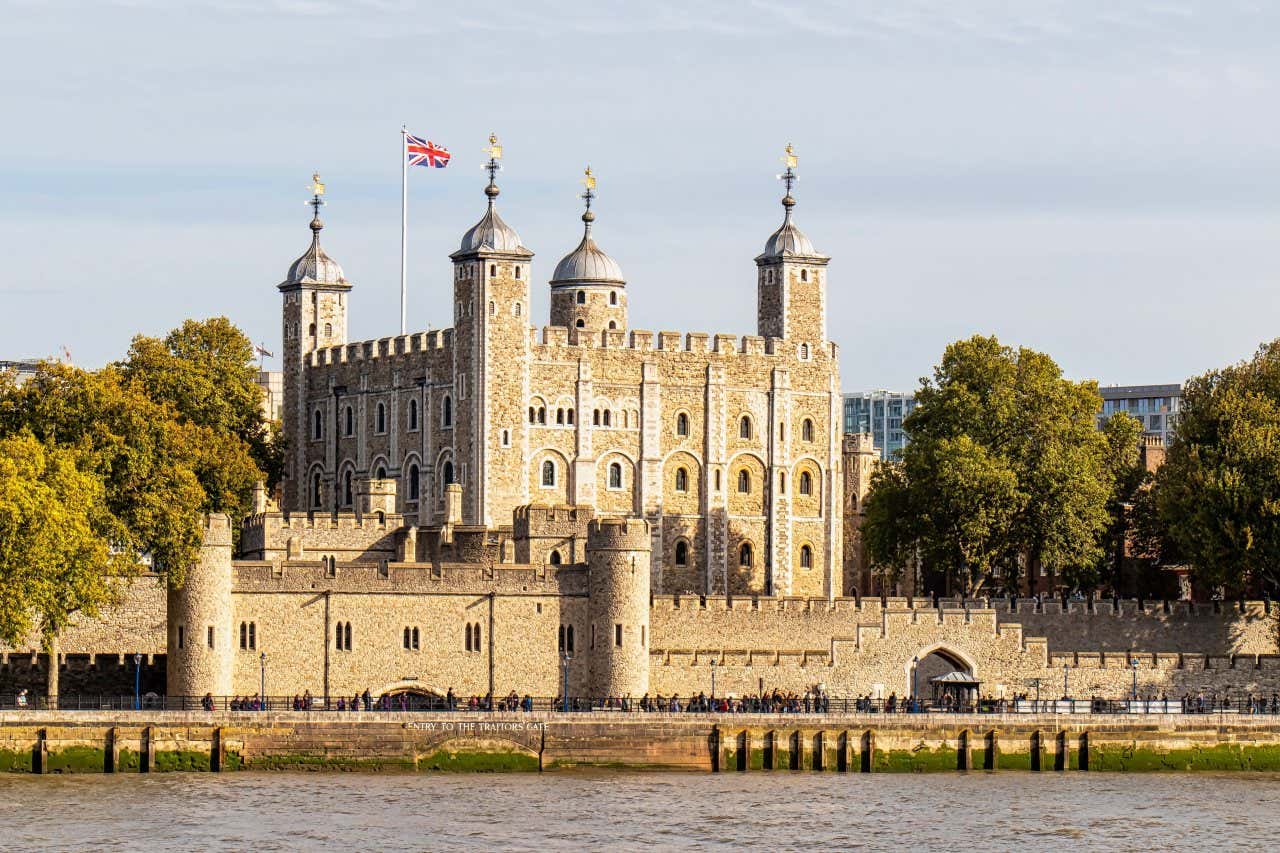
(199, 618)
(618, 584)
(792, 294)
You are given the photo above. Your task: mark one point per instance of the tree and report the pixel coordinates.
(1218, 492)
(54, 559)
(204, 369)
(992, 416)
(145, 460)
(1129, 480)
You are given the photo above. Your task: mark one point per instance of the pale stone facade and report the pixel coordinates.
(492, 508)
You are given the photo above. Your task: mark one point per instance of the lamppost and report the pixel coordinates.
(915, 665)
(262, 679)
(565, 657)
(713, 679)
(137, 681)
(1134, 662)
(1065, 694)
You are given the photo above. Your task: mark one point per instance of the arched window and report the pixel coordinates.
(568, 416)
(804, 352)
(560, 417)
(806, 483)
(615, 475)
(413, 414)
(582, 300)
(744, 482)
(533, 415)
(346, 638)
(595, 418)
(782, 482)
(415, 639)
(555, 558)
(448, 473)
(493, 270)
(316, 493)
(581, 323)
(413, 483)
(493, 308)
(744, 555)
(682, 480)
(337, 636)
(744, 427)
(682, 553)
(613, 297)
(468, 636)
(613, 324)
(312, 330)
(517, 270)
(346, 488)
(446, 412)
(506, 438)
(804, 275)
(380, 473)
(328, 330)
(542, 414)
(806, 557)
(408, 637)
(319, 425)
(349, 417)
(806, 430)
(606, 417)
(548, 473)
(569, 638)
(475, 635)
(682, 424)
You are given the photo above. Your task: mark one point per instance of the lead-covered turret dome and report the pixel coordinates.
(588, 263)
(315, 266)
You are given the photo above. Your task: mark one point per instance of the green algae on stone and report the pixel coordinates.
(478, 762)
(922, 760)
(76, 759)
(14, 761)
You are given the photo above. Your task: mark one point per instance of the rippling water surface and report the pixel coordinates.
(347, 812)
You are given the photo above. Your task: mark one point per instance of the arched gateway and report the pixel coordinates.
(935, 662)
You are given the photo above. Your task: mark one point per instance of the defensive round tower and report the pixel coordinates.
(199, 618)
(618, 584)
(588, 291)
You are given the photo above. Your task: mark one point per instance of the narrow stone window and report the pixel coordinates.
(615, 475)
(782, 482)
(581, 323)
(493, 308)
(682, 553)
(682, 424)
(415, 639)
(506, 438)
(328, 330)
(744, 427)
(448, 473)
(318, 429)
(682, 480)
(806, 557)
(782, 430)
(642, 637)
(381, 419)
(467, 644)
(582, 300)
(613, 324)
(413, 415)
(181, 636)
(804, 352)
(569, 638)
(806, 483)
(414, 488)
(806, 430)
(555, 558)
(560, 417)
(350, 425)
(244, 635)
(380, 473)
(533, 415)
(407, 637)
(617, 635)
(475, 635)
(517, 309)
(561, 635)
(744, 482)
(804, 275)
(312, 330)
(744, 555)
(316, 492)
(542, 414)
(717, 481)
(517, 270)
(548, 473)
(346, 488)
(446, 412)
(605, 417)
(568, 416)
(210, 636)
(493, 270)
(346, 638)
(595, 418)
(613, 297)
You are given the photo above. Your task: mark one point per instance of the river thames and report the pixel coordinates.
(622, 810)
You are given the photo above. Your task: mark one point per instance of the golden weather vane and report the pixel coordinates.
(790, 159)
(317, 188)
(589, 180)
(494, 150)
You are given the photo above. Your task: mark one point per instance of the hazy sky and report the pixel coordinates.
(1098, 180)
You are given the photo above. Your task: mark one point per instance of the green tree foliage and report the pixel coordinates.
(1004, 468)
(1218, 492)
(54, 559)
(1129, 482)
(204, 369)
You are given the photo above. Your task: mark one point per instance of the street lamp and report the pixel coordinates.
(137, 681)
(915, 665)
(1065, 694)
(565, 657)
(713, 679)
(262, 682)
(1134, 663)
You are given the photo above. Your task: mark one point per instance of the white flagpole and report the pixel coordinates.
(404, 227)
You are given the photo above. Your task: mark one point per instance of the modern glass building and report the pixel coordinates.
(879, 413)
(1155, 406)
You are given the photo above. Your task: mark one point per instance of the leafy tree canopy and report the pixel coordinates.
(1218, 492)
(1004, 468)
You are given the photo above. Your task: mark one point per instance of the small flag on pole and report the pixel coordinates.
(423, 152)
(263, 351)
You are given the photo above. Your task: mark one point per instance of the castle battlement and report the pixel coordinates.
(383, 348)
(641, 340)
(308, 576)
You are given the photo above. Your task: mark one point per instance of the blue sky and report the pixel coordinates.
(1096, 180)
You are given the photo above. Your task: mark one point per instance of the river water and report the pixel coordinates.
(348, 812)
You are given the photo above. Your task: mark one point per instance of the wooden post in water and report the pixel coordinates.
(216, 752)
(1037, 750)
(1084, 751)
(1060, 761)
(868, 750)
(40, 753)
(991, 755)
(962, 750)
(111, 752)
(147, 760)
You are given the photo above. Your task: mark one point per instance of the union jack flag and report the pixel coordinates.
(422, 152)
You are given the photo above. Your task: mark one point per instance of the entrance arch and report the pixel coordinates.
(936, 660)
(417, 696)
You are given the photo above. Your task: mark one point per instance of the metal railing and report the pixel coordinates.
(1244, 704)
